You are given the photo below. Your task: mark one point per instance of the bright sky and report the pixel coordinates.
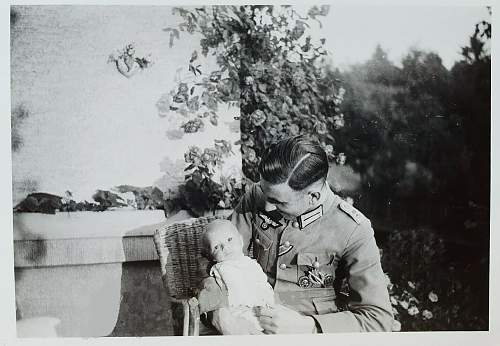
(353, 32)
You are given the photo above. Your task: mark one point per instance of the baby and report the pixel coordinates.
(246, 283)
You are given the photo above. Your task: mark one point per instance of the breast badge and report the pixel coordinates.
(304, 282)
(315, 279)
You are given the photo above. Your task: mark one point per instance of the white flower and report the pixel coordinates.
(329, 149)
(248, 10)
(338, 121)
(394, 301)
(341, 158)
(395, 311)
(350, 201)
(293, 57)
(414, 300)
(404, 304)
(341, 92)
(433, 297)
(396, 326)
(411, 284)
(427, 315)
(413, 311)
(266, 19)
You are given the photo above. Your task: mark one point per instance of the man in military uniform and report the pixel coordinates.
(307, 239)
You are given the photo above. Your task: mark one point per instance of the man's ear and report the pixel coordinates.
(315, 192)
(314, 196)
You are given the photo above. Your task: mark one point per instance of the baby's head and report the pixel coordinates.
(222, 241)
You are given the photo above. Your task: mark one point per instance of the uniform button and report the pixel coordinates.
(287, 243)
(257, 241)
(316, 264)
(295, 224)
(283, 266)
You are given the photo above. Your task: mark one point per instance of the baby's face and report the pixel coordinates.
(224, 243)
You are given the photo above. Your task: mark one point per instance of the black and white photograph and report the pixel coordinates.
(241, 169)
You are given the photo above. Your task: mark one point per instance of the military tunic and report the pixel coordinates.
(304, 266)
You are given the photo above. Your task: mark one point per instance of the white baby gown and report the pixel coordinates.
(247, 287)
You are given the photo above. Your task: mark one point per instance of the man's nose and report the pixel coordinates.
(269, 207)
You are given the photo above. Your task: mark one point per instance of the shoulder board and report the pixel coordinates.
(354, 213)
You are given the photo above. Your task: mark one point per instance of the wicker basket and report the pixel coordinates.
(179, 249)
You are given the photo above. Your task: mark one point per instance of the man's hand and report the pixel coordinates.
(232, 323)
(282, 320)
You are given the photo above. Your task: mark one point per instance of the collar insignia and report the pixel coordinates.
(309, 217)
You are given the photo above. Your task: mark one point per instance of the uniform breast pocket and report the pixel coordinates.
(261, 246)
(325, 305)
(316, 270)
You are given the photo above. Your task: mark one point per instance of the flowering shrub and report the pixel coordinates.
(270, 66)
(200, 192)
(408, 309)
(194, 125)
(426, 291)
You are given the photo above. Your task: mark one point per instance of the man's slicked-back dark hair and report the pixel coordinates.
(297, 160)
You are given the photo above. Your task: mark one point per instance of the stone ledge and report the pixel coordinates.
(119, 223)
(81, 251)
(115, 237)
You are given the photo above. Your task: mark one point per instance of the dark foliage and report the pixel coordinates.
(39, 202)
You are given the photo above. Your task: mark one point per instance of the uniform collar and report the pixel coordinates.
(273, 218)
(309, 217)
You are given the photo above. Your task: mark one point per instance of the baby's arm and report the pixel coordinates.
(213, 293)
